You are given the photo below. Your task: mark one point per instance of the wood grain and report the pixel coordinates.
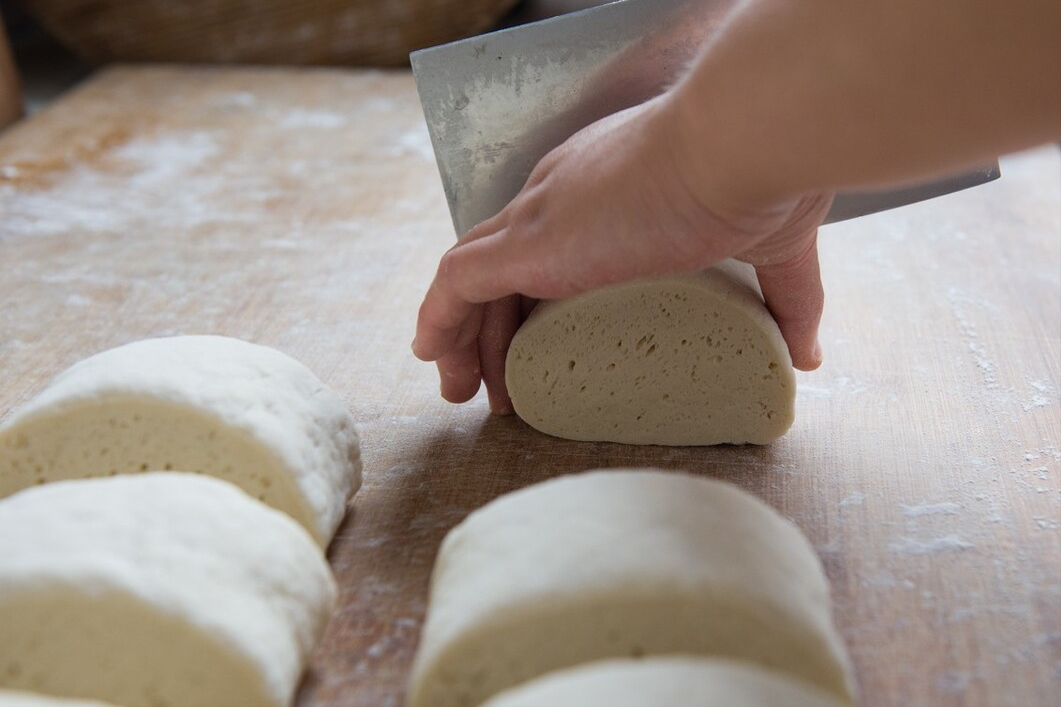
(302, 210)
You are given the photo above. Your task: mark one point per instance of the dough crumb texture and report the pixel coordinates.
(682, 360)
(205, 404)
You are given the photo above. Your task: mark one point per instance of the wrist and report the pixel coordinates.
(745, 116)
(719, 161)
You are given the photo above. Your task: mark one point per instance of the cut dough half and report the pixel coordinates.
(207, 404)
(622, 563)
(683, 360)
(10, 698)
(157, 589)
(671, 681)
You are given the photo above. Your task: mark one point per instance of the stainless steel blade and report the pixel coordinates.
(497, 103)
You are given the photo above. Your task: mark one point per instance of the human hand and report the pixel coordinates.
(617, 201)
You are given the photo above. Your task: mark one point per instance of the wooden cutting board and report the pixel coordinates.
(302, 210)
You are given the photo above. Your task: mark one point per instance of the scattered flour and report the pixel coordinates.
(415, 142)
(301, 119)
(238, 99)
(954, 682)
(959, 303)
(1047, 523)
(162, 161)
(1039, 397)
(855, 499)
(945, 544)
(931, 509)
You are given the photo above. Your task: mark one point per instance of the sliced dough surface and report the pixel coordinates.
(11, 698)
(670, 681)
(208, 404)
(683, 360)
(157, 589)
(622, 563)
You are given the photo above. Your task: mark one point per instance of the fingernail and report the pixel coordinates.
(412, 346)
(818, 354)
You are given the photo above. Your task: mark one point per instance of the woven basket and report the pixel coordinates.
(344, 32)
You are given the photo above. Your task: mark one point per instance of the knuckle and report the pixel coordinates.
(528, 209)
(448, 266)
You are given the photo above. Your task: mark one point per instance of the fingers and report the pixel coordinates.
(459, 374)
(485, 228)
(450, 329)
(448, 317)
(442, 322)
(467, 339)
(458, 366)
(793, 292)
(501, 318)
(482, 270)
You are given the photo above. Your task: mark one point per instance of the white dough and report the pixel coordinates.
(11, 698)
(622, 563)
(670, 681)
(157, 590)
(206, 404)
(681, 360)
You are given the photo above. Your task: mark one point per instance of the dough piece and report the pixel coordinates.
(622, 563)
(671, 681)
(10, 698)
(157, 589)
(684, 360)
(207, 404)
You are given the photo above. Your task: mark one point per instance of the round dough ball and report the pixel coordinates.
(157, 589)
(671, 681)
(206, 404)
(681, 360)
(622, 563)
(10, 698)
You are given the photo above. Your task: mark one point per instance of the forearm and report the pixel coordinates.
(798, 95)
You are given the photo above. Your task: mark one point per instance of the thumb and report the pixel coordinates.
(794, 295)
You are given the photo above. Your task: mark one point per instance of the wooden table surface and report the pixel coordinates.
(303, 210)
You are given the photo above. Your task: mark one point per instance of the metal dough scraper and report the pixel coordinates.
(495, 104)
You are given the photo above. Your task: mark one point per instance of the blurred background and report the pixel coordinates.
(54, 44)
